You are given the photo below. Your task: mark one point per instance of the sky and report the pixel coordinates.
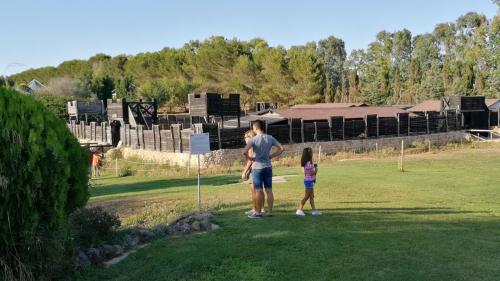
(39, 33)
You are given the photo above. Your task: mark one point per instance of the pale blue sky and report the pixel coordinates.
(40, 33)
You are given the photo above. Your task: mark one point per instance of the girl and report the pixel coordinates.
(309, 180)
(246, 176)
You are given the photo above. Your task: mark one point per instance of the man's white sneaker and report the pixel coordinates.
(300, 213)
(315, 213)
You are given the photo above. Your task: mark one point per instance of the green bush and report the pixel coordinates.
(43, 178)
(124, 172)
(57, 105)
(92, 225)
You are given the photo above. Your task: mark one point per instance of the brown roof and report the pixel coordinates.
(490, 102)
(245, 121)
(310, 114)
(428, 105)
(329, 105)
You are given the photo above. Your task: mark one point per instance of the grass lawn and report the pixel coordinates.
(439, 220)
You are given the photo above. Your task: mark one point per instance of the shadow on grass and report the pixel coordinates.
(353, 244)
(150, 185)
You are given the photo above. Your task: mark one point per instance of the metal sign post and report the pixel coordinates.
(199, 144)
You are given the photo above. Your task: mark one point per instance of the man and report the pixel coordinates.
(262, 172)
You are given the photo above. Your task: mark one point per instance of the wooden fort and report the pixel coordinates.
(214, 106)
(86, 111)
(133, 113)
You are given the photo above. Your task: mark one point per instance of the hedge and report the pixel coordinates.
(43, 178)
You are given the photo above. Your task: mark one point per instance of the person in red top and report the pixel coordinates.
(95, 164)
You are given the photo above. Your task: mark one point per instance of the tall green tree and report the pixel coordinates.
(306, 71)
(126, 88)
(333, 55)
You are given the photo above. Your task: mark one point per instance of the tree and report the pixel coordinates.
(333, 55)
(306, 71)
(275, 76)
(177, 93)
(154, 89)
(102, 87)
(44, 177)
(400, 64)
(125, 88)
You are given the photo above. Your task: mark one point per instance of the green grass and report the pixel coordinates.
(439, 220)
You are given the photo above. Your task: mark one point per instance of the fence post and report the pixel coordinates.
(180, 139)
(219, 136)
(402, 155)
(427, 119)
(302, 130)
(315, 132)
(366, 127)
(330, 128)
(446, 121)
(377, 127)
(399, 124)
(290, 129)
(173, 139)
(343, 128)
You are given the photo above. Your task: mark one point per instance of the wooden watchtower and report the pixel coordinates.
(208, 105)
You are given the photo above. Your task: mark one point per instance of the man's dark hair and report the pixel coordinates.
(259, 124)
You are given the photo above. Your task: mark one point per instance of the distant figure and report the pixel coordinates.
(247, 175)
(95, 163)
(262, 171)
(115, 132)
(310, 171)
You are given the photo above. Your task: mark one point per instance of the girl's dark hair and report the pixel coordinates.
(307, 156)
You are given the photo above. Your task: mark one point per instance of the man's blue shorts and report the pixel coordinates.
(262, 178)
(309, 184)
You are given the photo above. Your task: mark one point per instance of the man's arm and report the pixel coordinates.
(277, 152)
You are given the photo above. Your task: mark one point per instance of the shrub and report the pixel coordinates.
(43, 178)
(92, 225)
(124, 172)
(57, 105)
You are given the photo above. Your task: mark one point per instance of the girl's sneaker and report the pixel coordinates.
(255, 216)
(315, 213)
(249, 212)
(300, 213)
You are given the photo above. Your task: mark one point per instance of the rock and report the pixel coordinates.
(117, 250)
(195, 226)
(108, 251)
(82, 261)
(132, 240)
(144, 234)
(160, 229)
(205, 224)
(94, 255)
(179, 229)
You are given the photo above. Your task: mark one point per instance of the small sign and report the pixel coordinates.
(199, 143)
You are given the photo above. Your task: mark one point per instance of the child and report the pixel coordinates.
(309, 180)
(246, 175)
(95, 163)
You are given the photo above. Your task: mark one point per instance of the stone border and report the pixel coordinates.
(106, 254)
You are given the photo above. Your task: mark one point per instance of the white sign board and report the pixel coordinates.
(199, 144)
